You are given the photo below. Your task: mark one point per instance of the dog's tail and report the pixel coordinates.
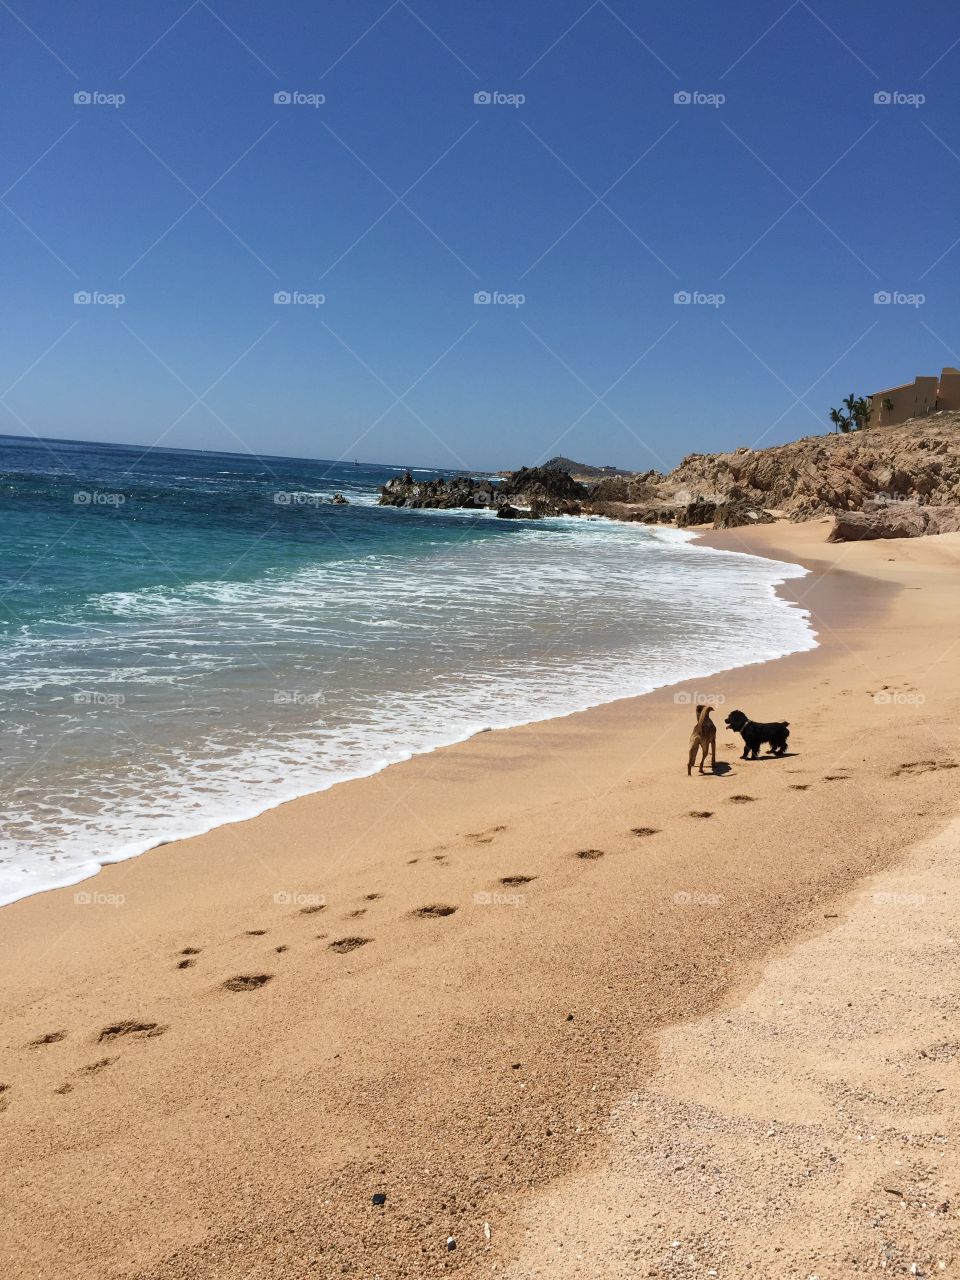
(703, 713)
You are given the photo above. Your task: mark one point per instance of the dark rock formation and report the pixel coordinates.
(458, 491)
(544, 492)
(734, 515)
(548, 491)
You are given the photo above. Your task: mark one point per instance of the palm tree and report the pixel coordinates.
(862, 412)
(838, 420)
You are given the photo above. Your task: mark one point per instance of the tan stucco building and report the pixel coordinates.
(914, 399)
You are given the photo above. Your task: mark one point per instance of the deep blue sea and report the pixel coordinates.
(188, 638)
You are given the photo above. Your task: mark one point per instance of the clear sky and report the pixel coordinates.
(597, 198)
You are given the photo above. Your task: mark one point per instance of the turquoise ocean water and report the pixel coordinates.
(189, 638)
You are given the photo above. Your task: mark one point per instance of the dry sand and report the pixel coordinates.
(567, 1074)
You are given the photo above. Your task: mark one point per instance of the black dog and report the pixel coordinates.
(754, 735)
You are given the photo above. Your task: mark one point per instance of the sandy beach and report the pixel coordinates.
(571, 1012)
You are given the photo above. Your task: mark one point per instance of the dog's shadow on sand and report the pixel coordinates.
(721, 768)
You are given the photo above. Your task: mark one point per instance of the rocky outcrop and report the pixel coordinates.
(904, 479)
(630, 489)
(722, 515)
(540, 491)
(545, 490)
(819, 475)
(894, 520)
(458, 491)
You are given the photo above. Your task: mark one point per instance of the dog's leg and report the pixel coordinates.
(691, 757)
(713, 754)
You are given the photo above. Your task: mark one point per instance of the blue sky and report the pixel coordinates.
(597, 199)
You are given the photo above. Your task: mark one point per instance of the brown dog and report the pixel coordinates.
(704, 738)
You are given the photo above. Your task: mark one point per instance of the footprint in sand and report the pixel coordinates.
(644, 831)
(835, 777)
(255, 933)
(924, 766)
(94, 1068)
(188, 963)
(412, 862)
(282, 947)
(799, 786)
(509, 880)
(741, 799)
(313, 908)
(356, 913)
(4, 1096)
(52, 1037)
(247, 981)
(701, 813)
(434, 911)
(141, 1030)
(190, 951)
(372, 897)
(439, 857)
(484, 837)
(343, 945)
(589, 855)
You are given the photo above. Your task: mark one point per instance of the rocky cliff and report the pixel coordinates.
(916, 461)
(899, 481)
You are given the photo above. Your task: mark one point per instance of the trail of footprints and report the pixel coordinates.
(129, 1030)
